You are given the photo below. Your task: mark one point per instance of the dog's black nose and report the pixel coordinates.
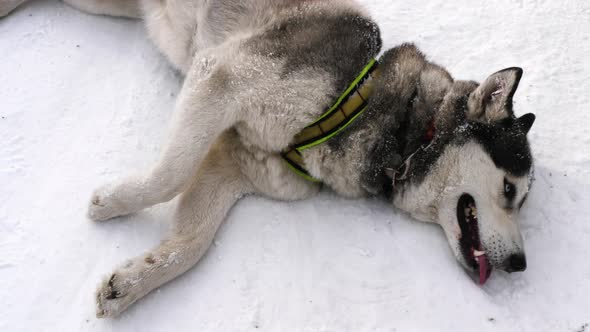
(516, 263)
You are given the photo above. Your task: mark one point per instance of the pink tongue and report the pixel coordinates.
(484, 274)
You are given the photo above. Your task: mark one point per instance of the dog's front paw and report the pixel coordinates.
(105, 205)
(114, 295)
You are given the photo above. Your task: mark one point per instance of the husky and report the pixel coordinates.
(258, 73)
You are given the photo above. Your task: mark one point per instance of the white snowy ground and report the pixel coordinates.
(86, 99)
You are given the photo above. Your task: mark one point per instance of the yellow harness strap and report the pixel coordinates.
(350, 105)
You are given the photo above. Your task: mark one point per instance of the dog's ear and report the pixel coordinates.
(526, 122)
(492, 100)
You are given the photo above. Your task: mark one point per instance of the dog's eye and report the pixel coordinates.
(509, 190)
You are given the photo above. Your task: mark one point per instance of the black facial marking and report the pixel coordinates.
(504, 141)
(506, 144)
(509, 191)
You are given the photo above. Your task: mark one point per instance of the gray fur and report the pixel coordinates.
(319, 41)
(259, 71)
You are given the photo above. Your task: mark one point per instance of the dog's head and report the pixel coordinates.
(481, 176)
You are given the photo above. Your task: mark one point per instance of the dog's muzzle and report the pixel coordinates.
(471, 248)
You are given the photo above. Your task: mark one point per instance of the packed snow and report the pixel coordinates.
(87, 99)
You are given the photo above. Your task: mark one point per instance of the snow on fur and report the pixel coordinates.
(86, 99)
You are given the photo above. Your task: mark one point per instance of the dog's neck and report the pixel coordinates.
(406, 104)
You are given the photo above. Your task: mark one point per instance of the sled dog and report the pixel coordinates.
(282, 95)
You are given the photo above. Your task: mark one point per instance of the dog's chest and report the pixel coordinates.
(340, 162)
(270, 139)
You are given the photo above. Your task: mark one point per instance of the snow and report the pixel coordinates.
(87, 99)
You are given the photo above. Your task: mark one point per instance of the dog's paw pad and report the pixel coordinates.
(96, 200)
(112, 292)
(104, 206)
(112, 297)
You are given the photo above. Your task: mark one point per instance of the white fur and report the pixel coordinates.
(217, 99)
(232, 118)
(468, 169)
(223, 178)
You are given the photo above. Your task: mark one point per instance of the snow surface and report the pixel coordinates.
(87, 99)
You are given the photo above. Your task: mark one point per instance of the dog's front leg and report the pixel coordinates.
(201, 115)
(202, 208)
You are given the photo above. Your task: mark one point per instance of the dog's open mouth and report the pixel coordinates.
(471, 247)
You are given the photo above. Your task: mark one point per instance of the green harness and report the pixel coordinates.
(349, 106)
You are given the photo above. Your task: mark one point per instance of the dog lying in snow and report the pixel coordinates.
(280, 95)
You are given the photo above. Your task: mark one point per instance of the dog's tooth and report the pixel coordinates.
(478, 253)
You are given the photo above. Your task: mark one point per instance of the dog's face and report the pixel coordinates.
(479, 210)
(481, 179)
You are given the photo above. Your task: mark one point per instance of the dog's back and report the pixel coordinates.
(181, 29)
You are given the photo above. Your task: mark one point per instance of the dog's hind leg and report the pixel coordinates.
(202, 113)
(120, 8)
(202, 208)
